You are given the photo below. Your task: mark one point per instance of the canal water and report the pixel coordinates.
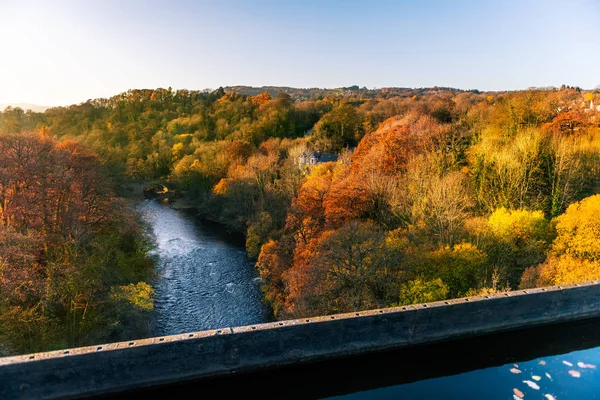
(205, 279)
(572, 375)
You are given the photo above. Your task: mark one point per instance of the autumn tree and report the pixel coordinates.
(275, 258)
(519, 239)
(575, 252)
(418, 291)
(343, 270)
(341, 127)
(65, 241)
(566, 122)
(460, 267)
(509, 172)
(306, 216)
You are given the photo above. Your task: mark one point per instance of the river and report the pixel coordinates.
(205, 278)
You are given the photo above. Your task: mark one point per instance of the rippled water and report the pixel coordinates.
(206, 280)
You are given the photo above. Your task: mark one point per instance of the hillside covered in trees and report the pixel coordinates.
(436, 193)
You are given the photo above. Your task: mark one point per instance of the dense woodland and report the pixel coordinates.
(73, 261)
(436, 193)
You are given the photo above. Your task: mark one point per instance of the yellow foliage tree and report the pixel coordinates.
(460, 267)
(419, 291)
(517, 239)
(139, 295)
(578, 230)
(513, 225)
(575, 253)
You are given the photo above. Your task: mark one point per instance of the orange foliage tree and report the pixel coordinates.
(342, 270)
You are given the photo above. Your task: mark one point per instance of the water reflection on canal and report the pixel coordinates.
(567, 376)
(572, 375)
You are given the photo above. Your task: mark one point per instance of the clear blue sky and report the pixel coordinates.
(63, 52)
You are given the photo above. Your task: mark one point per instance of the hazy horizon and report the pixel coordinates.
(43, 107)
(68, 52)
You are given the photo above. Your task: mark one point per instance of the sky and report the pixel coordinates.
(66, 52)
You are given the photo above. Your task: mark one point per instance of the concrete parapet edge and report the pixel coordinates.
(113, 367)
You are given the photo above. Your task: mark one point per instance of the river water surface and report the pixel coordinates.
(205, 279)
